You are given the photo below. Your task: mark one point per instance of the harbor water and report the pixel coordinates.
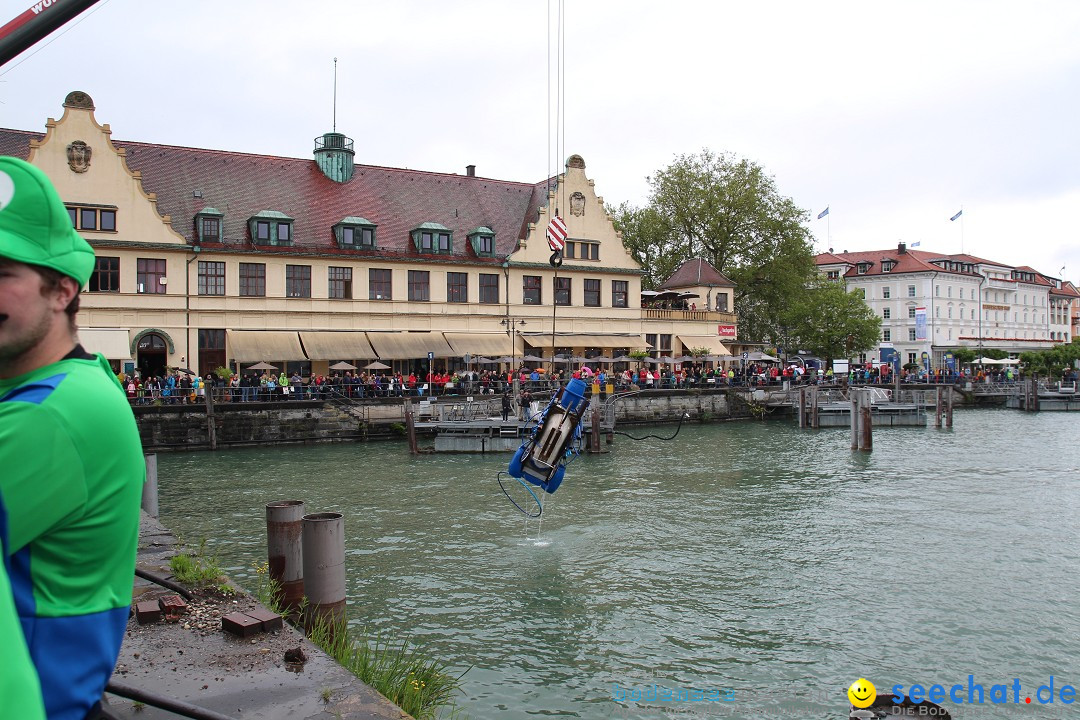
(764, 566)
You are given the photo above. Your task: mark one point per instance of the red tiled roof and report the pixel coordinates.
(910, 261)
(241, 185)
(915, 261)
(696, 271)
(397, 201)
(16, 143)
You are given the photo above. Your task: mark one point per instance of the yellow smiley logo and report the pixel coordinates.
(862, 693)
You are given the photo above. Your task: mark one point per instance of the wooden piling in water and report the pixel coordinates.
(867, 440)
(854, 397)
(211, 424)
(937, 409)
(594, 430)
(949, 408)
(410, 429)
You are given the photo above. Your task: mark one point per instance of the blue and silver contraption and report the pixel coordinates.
(554, 441)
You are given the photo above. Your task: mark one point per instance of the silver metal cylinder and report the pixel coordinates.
(149, 492)
(324, 565)
(285, 551)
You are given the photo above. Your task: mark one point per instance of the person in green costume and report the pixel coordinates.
(20, 693)
(71, 459)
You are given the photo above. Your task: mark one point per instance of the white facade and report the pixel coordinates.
(966, 304)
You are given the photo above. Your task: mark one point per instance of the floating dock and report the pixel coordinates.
(477, 426)
(1064, 399)
(838, 414)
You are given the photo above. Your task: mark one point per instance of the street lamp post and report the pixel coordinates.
(511, 325)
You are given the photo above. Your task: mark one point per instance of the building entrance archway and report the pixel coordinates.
(151, 356)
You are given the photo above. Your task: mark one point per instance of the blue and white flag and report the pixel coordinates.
(956, 215)
(823, 213)
(916, 244)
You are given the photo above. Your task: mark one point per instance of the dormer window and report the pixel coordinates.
(355, 233)
(208, 225)
(887, 266)
(271, 227)
(862, 267)
(482, 240)
(433, 239)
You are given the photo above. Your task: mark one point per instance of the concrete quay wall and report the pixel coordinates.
(187, 427)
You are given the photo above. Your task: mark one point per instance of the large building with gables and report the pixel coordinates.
(209, 258)
(930, 303)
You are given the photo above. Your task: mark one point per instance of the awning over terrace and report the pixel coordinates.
(255, 345)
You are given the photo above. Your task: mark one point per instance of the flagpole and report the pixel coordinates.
(961, 229)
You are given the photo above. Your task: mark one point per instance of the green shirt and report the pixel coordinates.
(20, 694)
(71, 475)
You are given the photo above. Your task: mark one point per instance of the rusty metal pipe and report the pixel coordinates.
(150, 487)
(324, 565)
(285, 551)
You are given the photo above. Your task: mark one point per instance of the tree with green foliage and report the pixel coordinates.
(1054, 362)
(963, 356)
(830, 322)
(729, 212)
(647, 235)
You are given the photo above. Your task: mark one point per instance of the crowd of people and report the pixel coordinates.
(175, 387)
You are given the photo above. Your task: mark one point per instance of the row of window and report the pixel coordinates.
(92, 218)
(886, 292)
(151, 278)
(886, 335)
(353, 233)
(886, 314)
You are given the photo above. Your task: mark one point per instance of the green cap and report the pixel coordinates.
(35, 227)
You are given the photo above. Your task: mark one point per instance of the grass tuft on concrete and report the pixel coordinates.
(417, 683)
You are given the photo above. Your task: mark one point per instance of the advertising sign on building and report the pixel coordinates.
(920, 323)
(726, 332)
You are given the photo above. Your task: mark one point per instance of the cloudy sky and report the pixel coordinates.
(893, 115)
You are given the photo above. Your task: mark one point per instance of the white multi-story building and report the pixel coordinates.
(931, 303)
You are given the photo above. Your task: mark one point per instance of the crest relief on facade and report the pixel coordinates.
(78, 155)
(577, 204)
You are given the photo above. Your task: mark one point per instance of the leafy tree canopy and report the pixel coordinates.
(830, 322)
(728, 211)
(1053, 362)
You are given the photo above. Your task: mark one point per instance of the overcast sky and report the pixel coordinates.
(893, 115)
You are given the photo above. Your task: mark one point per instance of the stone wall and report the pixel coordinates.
(182, 427)
(185, 427)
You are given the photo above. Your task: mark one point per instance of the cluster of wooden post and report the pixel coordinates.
(862, 423)
(1031, 394)
(808, 407)
(306, 558)
(944, 406)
